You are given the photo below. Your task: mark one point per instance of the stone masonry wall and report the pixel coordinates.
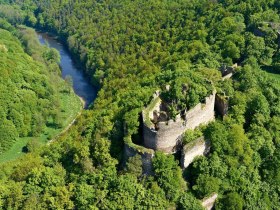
(194, 149)
(221, 105)
(209, 202)
(156, 108)
(168, 135)
(146, 158)
(201, 113)
(150, 137)
(228, 76)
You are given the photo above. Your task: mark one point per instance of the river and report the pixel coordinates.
(81, 84)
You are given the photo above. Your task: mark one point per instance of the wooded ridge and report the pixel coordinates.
(130, 49)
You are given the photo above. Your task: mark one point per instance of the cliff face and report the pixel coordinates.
(167, 135)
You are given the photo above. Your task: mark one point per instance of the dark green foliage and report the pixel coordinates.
(231, 201)
(188, 202)
(130, 49)
(134, 165)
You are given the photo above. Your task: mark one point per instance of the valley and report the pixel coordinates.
(181, 104)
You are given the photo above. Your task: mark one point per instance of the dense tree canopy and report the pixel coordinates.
(130, 49)
(31, 89)
(27, 97)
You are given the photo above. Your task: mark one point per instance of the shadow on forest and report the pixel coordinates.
(24, 149)
(53, 125)
(275, 69)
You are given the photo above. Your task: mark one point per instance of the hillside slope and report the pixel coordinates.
(131, 49)
(31, 93)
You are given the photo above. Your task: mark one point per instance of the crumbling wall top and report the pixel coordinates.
(208, 202)
(194, 149)
(228, 70)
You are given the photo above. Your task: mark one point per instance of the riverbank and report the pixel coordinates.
(68, 104)
(70, 68)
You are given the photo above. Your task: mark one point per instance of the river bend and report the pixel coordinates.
(81, 84)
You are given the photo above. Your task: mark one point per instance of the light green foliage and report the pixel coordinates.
(32, 145)
(12, 13)
(31, 93)
(168, 175)
(232, 201)
(8, 134)
(187, 202)
(22, 90)
(187, 88)
(134, 165)
(206, 185)
(130, 49)
(191, 135)
(149, 109)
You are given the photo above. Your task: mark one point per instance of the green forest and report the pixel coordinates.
(33, 96)
(129, 50)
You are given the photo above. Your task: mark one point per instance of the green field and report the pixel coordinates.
(70, 107)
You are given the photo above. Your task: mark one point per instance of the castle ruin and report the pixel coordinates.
(162, 130)
(165, 134)
(146, 156)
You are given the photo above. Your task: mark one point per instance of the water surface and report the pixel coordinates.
(81, 84)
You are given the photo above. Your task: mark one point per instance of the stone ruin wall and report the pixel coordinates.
(149, 137)
(168, 135)
(155, 108)
(227, 71)
(209, 202)
(221, 105)
(194, 149)
(147, 166)
(228, 76)
(201, 113)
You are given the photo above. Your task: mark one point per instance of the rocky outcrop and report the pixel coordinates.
(166, 135)
(194, 149)
(208, 203)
